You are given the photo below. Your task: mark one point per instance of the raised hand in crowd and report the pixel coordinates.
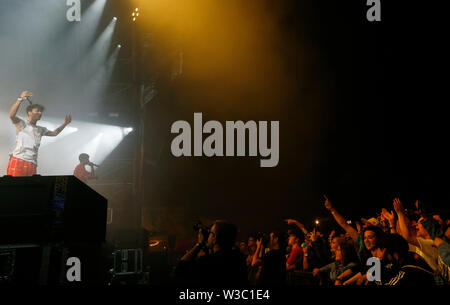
(330, 237)
(388, 215)
(314, 235)
(358, 226)
(406, 230)
(340, 219)
(391, 219)
(295, 222)
(398, 206)
(328, 204)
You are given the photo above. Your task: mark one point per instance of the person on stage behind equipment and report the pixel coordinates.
(80, 170)
(23, 159)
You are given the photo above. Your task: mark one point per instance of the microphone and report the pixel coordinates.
(93, 164)
(28, 100)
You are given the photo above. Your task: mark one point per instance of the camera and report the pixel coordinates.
(200, 227)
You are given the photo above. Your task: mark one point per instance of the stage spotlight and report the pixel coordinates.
(59, 155)
(119, 46)
(127, 130)
(115, 18)
(135, 14)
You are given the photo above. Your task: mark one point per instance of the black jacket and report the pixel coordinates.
(220, 269)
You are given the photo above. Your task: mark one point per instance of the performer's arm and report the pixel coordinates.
(56, 132)
(340, 220)
(15, 107)
(92, 174)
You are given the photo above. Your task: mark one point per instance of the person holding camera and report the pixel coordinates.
(213, 261)
(273, 263)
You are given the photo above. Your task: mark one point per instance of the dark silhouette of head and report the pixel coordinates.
(84, 158)
(397, 249)
(223, 234)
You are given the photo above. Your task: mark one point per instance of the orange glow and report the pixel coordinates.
(235, 50)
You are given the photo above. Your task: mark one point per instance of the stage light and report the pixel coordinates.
(154, 243)
(135, 14)
(115, 18)
(59, 155)
(119, 46)
(52, 124)
(127, 130)
(317, 221)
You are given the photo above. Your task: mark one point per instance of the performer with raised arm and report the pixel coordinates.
(23, 159)
(80, 171)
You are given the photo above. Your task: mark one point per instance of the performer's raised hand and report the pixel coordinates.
(26, 94)
(68, 119)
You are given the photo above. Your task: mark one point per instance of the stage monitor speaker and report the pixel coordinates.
(50, 209)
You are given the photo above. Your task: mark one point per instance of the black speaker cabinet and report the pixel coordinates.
(50, 209)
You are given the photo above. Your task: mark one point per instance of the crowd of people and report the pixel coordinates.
(399, 247)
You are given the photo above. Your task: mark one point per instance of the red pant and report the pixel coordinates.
(18, 167)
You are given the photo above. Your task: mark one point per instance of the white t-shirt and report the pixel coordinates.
(28, 140)
(425, 250)
(430, 254)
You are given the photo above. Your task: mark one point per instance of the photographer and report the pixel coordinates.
(213, 261)
(272, 263)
